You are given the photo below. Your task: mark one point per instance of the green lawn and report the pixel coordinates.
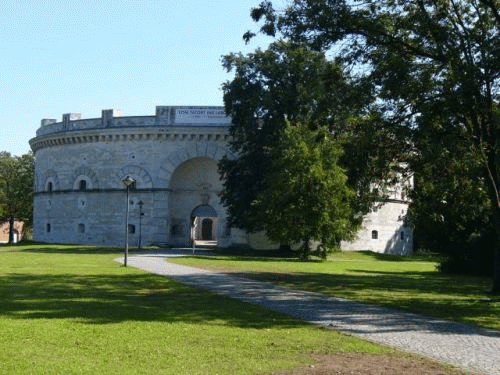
(412, 284)
(73, 310)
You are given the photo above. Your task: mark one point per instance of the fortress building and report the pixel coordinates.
(80, 197)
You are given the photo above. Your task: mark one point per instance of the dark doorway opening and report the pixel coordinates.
(207, 230)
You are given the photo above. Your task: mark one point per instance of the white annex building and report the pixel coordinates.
(80, 197)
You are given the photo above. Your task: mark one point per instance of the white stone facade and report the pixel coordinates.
(172, 156)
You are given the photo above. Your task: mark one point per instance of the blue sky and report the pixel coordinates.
(70, 56)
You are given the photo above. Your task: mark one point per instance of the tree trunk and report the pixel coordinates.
(495, 201)
(11, 229)
(305, 249)
(495, 290)
(496, 273)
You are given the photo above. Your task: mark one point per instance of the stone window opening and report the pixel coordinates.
(50, 187)
(82, 185)
(402, 235)
(47, 228)
(131, 228)
(81, 228)
(374, 234)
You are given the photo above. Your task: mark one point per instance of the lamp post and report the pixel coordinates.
(128, 182)
(141, 214)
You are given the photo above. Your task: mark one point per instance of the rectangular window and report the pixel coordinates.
(81, 228)
(48, 228)
(131, 228)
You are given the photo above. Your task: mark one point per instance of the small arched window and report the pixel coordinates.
(82, 185)
(374, 234)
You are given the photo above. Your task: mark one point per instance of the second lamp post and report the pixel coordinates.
(128, 182)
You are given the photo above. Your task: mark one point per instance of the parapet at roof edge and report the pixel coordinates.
(169, 115)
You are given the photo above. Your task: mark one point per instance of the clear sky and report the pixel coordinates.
(83, 56)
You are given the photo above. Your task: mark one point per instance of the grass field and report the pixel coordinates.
(74, 310)
(411, 284)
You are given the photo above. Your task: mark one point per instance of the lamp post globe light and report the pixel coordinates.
(128, 182)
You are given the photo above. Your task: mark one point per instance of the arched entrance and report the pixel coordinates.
(203, 222)
(193, 197)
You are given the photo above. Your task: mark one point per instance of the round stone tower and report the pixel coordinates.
(172, 158)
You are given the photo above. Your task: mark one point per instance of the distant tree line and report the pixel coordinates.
(16, 190)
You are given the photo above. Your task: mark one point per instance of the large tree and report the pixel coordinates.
(306, 198)
(16, 189)
(451, 209)
(424, 58)
(295, 85)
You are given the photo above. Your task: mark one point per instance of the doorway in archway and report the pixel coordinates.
(203, 221)
(207, 230)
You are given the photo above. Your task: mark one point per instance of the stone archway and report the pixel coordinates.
(193, 197)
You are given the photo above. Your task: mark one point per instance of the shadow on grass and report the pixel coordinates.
(463, 299)
(399, 258)
(248, 252)
(103, 299)
(61, 249)
(287, 256)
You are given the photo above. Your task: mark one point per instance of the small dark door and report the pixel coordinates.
(206, 230)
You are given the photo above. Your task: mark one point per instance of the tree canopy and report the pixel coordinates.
(451, 210)
(287, 86)
(306, 196)
(432, 64)
(283, 83)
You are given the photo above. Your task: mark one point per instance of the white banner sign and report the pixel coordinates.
(201, 116)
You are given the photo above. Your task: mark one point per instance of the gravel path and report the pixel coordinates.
(467, 347)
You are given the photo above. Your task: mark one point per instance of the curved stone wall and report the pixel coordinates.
(80, 165)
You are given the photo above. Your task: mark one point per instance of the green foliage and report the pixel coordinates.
(432, 65)
(285, 82)
(290, 85)
(16, 187)
(305, 196)
(451, 210)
